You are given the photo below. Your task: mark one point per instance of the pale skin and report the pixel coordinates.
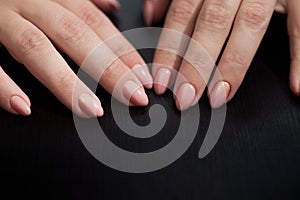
(209, 23)
(33, 30)
(28, 31)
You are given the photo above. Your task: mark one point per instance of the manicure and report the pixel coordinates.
(91, 106)
(219, 94)
(149, 12)
(114, 4)
(162, 80)
(135, 93)
(143, 74)
(20, 105)
(185, 96)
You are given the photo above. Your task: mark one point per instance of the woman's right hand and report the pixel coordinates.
(28, 30)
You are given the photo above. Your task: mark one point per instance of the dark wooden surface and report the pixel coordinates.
(257, 156)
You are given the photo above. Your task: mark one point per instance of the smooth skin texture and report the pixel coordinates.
(30, 29)
(210, 23)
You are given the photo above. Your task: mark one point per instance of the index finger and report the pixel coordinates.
(105, 29)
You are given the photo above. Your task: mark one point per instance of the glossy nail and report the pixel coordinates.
(114, 4)
(20, 105)
(135, 94)
(219, 94)
(185, 96)
(143, 74)
(91, 106)
(148, 12)
(162, 80)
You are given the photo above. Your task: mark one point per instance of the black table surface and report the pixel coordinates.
(257, 156)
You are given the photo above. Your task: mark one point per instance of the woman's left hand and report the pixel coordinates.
(210, 23)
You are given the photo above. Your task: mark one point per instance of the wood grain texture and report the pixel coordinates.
(257, 156)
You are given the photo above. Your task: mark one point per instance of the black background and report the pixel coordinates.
(257, 156)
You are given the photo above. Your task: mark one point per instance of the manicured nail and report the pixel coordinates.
(143, 74)
(114, 4)
(185, 96)
(149, 13)
(135, 94)
(219, 94)
(162, 80)
(90, 105)
(20, 105)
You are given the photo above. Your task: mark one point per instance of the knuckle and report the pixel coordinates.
(91, 17)
(31, 42)
(255, 16)
(201, 63)
(113, 71)
(236, 63)
(73, 30)
(215, 16)
(182, 12)
(66, 81)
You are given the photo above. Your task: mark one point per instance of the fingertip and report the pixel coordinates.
(219, 95)
(114, 5)
(107, 6)
(143, 74)
(90, 106)
(20, 105)
(149, 12)
(162, 80)
(295, 85)
(135, 94)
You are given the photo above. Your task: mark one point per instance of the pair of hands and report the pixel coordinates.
(30, 29)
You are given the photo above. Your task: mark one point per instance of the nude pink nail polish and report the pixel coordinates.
(20, 105)
(162, 80)
(143, 74)
(219, 94)
(135, 93)
(185, 96)
(90, 106)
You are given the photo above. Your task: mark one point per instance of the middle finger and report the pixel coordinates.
(77, 39)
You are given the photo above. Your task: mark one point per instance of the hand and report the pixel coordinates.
(210, 23)
(28, 29)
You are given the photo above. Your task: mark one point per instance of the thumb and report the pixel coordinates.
(155, 10)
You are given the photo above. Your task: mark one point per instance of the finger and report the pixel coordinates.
(155, 10)
(107, 5)
(12, 98)
(180, 18)
(249, 28)
(112, 37)
(78, 40)
(294, 34)
(212, 28)
(36, 52)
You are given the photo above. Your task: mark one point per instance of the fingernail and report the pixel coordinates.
(135, 94)
(185, 96)
(219, 94)
(90, 106)
(114, 4)
(162, 80)
(20, 105)
(149, 12)
(143, 74)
